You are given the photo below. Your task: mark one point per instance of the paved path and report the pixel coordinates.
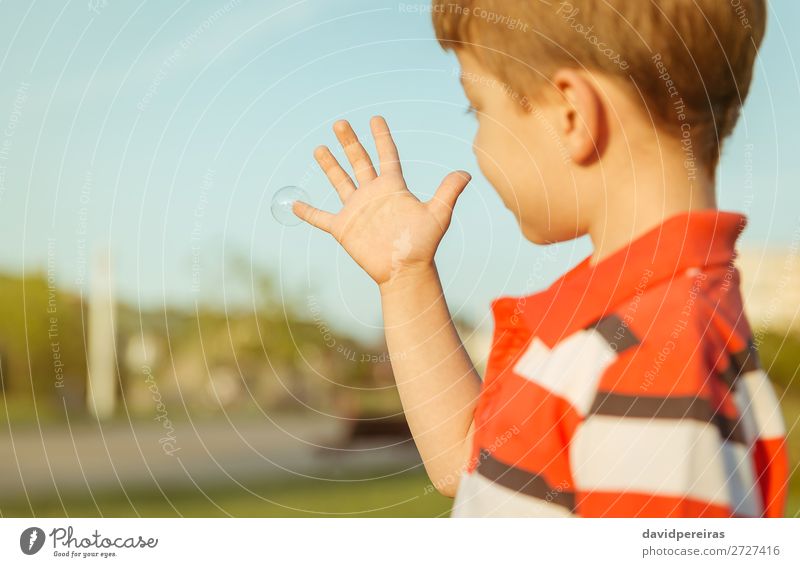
(143, 453)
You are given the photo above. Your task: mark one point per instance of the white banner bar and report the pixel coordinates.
(401, 542)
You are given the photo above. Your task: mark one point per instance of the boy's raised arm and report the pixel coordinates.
(437, 382)
(393, 236)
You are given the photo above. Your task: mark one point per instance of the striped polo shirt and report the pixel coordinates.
(630, 388)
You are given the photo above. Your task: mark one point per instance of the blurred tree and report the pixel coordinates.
(41, 330)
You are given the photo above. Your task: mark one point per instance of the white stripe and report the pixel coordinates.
(571, 369)
(665, 457)
(479, 497)
(756, 401)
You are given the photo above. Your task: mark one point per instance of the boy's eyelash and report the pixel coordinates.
(471, 110)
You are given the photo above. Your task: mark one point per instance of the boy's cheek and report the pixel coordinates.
(484, 157)
(489, 166)
(490, 156)
(477, 143)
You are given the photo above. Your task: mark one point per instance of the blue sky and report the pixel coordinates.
(163, 128)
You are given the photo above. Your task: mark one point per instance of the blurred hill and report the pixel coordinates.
(204, 361)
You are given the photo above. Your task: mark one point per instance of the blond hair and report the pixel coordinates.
(690, 61)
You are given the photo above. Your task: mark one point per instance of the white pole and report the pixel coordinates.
(102, 380)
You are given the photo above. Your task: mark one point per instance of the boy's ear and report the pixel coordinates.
(580, 114)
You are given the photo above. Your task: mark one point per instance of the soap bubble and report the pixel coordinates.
(282, 204)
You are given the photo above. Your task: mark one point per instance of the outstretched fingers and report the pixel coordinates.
(387, 150)
(355, 152)
(334, 172)
(313, 216)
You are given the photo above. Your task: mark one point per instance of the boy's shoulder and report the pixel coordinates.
(666, 282)
(668, 305)
(679, 336)
(693, 305)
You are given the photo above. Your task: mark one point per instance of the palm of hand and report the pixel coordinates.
(382, 225)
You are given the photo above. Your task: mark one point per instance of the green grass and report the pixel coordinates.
(791, 413)
(404, 495)
(396, 496)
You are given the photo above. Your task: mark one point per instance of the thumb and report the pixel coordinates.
(312, 215)
(443, 201)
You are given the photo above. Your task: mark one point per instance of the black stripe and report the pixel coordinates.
(730, 429)
(522, 481)
(730, 376)
(677, 407)
(739, 363)
(746, 360)
(617, 333)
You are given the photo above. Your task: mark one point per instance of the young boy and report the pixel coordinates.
(631, 386)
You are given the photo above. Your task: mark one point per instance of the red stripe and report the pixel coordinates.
(631, 505)
(772, 470)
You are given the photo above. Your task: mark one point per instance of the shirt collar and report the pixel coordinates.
(685, 241)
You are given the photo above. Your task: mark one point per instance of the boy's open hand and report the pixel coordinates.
(382, 225)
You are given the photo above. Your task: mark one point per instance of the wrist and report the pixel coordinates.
(409, 278)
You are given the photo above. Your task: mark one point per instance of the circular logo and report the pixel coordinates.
(31, 540)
